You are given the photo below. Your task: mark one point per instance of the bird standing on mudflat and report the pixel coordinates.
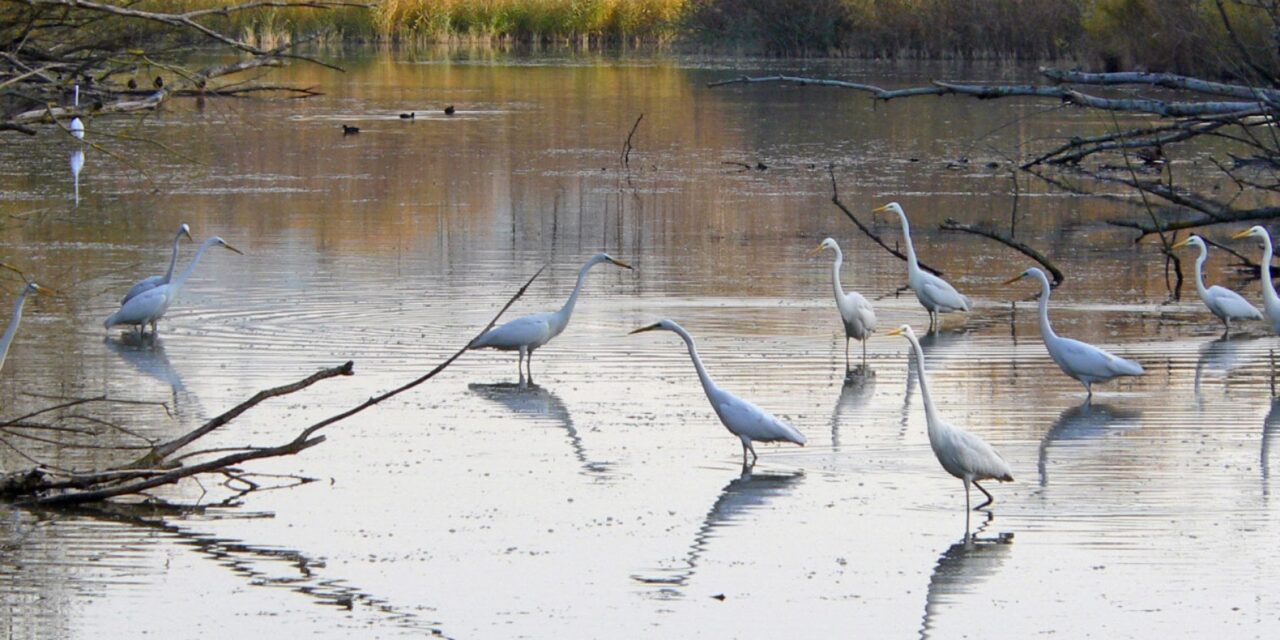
(856, 314)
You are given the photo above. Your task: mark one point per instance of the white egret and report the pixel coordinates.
(961, 453)
(855, 312)
(1223, 302)
(741, 418)
(1270, 301)
(528, 333)
(935, 294)
(76, 127)
(150, 305)
(1084, 362)
(147, 284)
(17, 314)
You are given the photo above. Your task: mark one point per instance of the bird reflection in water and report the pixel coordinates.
(854, 395)
(1084, 422)
(1270, 426)
(1222, 355)
(534, 401)
(961, 569)
(748, 492)
(146, 355)
(77, 163)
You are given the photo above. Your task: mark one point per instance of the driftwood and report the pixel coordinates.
(988, 231)
(168, 462)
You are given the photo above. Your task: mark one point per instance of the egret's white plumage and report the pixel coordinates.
(16, 318)
(1270, 301)
(150, 305)
(1223, 302)
(740, 417)
(935, 294)
(1084, 362)
(857, 315)
(527, 333)
(962, 454)
(147, 284)
(76, 127)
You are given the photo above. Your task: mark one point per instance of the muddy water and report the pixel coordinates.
(605, 499)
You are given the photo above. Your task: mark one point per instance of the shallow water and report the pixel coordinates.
(606, 499)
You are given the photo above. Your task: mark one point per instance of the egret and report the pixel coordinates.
(152, 282)
(76, 127)
(855, 312)
(935, 294)
(961, 453)
(1270, 301)
(1223, 302)
(741, 418)
(1084, 362)
(527, 333)
(7, 340)
(150, 305)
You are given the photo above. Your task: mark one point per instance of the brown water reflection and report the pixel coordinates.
(493, 510)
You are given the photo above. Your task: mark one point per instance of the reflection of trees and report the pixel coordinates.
(1082, 422)
(539, 402)
(961, 568)
(743, 495)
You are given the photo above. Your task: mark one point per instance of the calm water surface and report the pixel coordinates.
(606, 500)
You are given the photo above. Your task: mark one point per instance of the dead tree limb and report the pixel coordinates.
(626, 146)
(835, 199)
(988, 231)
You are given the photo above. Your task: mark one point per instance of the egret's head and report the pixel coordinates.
(904, 330)
(35, 288)
(825, 244)
(1191, 241)
(1033, 272)
(1256, 231)
(223, 243)
(661, 325)
(604, 257)
(185, 230)
(892, 207)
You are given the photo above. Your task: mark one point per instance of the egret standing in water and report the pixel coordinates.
(7, 340)
(1223, 302)
(935, 294)
(147, 284)
(527, 333)
(1270, 301)
(150, 305)
(856, 314)
(961, 453)
(1084, 362)
(741, 418)
(76, 127)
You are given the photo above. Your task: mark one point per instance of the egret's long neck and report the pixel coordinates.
(1204, 255)
(186, 273)
(835, 274)
(1046, 331)
(930, 413)
(173, 259)
(707, 384)
(13, 326)
(1268, 287)
(912, 265)
(562, 316)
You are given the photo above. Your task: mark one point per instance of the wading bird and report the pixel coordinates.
(527, 333)
(935, 294)
(149, 306)
(855, 312)
(147, 284)
(76, 127)
(17, 314)
(1223, 302)
(1270, 301)
(741, 418)
(1084, 362)
(961, 453)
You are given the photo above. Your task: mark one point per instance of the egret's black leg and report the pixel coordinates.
(986, 493)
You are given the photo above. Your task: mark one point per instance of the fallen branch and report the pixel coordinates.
(835, 199)
(987, 231)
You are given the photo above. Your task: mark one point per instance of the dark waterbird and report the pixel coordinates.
(349, 130)
(449, 110)
(407, 116)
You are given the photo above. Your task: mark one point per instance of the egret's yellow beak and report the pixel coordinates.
(895, 332)
(644, 329)
(622, 264)
(1181, 244)
(188, 235)
(231, 248)
(815, 251)
(1014, 279)
(879, 209)
(44, 290)
(1243, 234)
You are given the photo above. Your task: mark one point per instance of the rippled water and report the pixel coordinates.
(606, 500)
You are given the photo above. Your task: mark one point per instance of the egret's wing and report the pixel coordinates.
(979, 457)
(141, 308)
(1079, 359)
(521, 332)
(941, 293)
(146, 284)
(863, 311)
(1227, 303)
(746, 419)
